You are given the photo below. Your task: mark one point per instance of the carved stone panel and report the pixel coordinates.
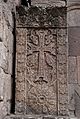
(36, 70)
(41, 62)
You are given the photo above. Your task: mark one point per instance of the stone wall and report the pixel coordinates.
(74, 56)
(6, 51)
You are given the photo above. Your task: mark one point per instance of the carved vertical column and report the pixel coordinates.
(62, 72)
(20, 69)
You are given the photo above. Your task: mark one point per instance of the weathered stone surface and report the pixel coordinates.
(1, 20)
(39, 17)
(71, 88)
(37, 117)
(48, 3)
(1, 84)
(3, 110)
(62, 72)
(73, 14)
(40, 75)
(3, 57)
(36, 66)
(8, 43)
(78, 69)
(7, 15)
(74, 41)
(40, 65)
(5, 93)
(72, 70)
(6, 50)
(77, 104)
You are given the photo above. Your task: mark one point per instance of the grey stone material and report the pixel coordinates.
(77, 104)
(73, 8)
(41, 40)
(6, 50)
(38, 117)
(44, 21)
(72, 70)
(40, 17)
(48, 3)
(71, 88)
(78, 69)
(74, 41)
(73, 20)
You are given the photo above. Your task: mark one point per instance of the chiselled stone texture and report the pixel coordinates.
(74, 41)
(6, 50)
(73, 13)
(78, 69)
(72, 70)
(41, 61)
(37, 117)
(40, 64)
(62, 72)
(47, 3)
(39, 17)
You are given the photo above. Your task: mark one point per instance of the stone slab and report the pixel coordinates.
(37, 117)
(28, 78)
(48, 3)
(40, 75)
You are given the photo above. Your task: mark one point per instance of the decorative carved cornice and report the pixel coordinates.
(39, 17)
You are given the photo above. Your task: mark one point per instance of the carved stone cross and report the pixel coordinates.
(44, 44)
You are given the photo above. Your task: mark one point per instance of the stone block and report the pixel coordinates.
(71, 88)
(7, 37)
(5, 86)
(3, 57)
(70, 2)
(77, 104)
(72, 70)
(3, 110)
(1, 23)
(2, 76)
(48, 3)
(78, 69)
(74, 41)
(7, 15)
(37, 117)
(73, 14)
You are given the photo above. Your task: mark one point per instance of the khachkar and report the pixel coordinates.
(41, 61)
